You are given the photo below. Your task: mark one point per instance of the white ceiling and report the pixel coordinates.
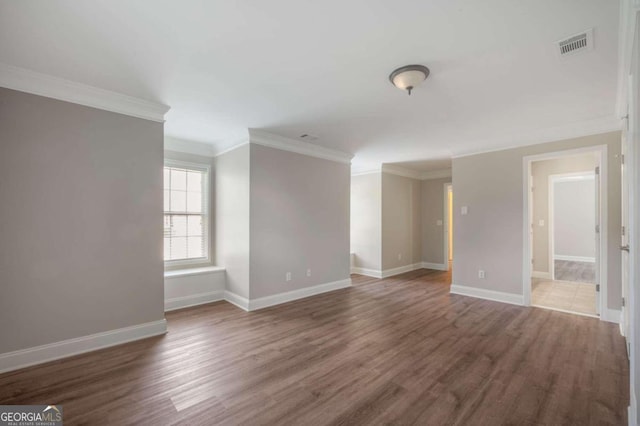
(291, 67)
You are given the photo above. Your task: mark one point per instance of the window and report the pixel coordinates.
(186, 213)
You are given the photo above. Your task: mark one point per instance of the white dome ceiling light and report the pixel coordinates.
(409, 76)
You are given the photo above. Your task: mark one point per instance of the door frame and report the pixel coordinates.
(446, 187)
(601, 153)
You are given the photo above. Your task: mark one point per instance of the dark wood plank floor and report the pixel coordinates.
(395, 351)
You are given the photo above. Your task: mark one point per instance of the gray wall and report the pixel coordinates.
(81, 247)
(299, 221)
(231, 207)
(432, 211)
(401, 224)
(540, 171)
(574, 222)
(366, 220)
(490, 237)
(199, 159)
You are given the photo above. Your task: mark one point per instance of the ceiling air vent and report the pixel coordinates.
(576, 43)
(309, 137)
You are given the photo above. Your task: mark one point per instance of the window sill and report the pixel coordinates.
(193, 271)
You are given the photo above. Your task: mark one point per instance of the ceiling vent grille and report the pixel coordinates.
(576, 43)
(309, 137)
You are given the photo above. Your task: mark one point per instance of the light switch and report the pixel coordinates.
(439, 222)
(541, 222)
(464, 210)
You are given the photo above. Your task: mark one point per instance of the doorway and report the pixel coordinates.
(448, 229)
(566, 203)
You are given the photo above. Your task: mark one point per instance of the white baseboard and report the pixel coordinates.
(632, 411)
(436, 266)
(39, 354)
(234, 299)
(192, 300)
(481, 293)
(374, 273)
(277, 299)
(401, 270)
(574, 258)
(540, 274)
(611, 315)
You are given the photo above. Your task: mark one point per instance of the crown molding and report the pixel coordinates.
(629, 11)
(366, 172)
(436, 174)
(263, 138)
(554, 134)
(48, 86)
(188, 146)
(401, 171)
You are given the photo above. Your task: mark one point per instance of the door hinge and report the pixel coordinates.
(597, 287)
(623, 302)
(623, 231)
(597, 229)
(622, 159)
(598, 170)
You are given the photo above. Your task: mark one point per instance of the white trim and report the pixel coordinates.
(436, 266)
(481, 293)
(193, 271)
(386, 273)
(206, 193)
(263, 138)
(40, 354)
(394, 169)
(231, 148)
(601, 150)
(277, 299)
(401, 171)
(374, 273)
(436, 174)
(574, 258)
(366, 172)
(190, 147)
(569, 131)
(629, 10)
(447, 186)
(49, 86)
(611, 315)
(632, 411)
(192, 300)
(540, 274)
(235, 299)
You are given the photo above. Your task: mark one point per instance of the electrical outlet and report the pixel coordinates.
(399, 256)
(464, 210)
(439, 222)
(481, 274)
(308, 272)
(541, 222)
(288, 276)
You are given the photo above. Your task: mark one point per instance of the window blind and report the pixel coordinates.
(185, 213)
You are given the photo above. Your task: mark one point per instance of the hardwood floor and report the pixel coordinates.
(396, 351)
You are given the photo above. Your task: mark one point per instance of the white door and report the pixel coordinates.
(627, 201)
(597, 236)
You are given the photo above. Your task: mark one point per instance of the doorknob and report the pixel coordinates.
(625, 248)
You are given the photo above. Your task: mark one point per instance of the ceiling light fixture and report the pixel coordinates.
(409, 76)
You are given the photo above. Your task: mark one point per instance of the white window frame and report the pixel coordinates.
(201, 167)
